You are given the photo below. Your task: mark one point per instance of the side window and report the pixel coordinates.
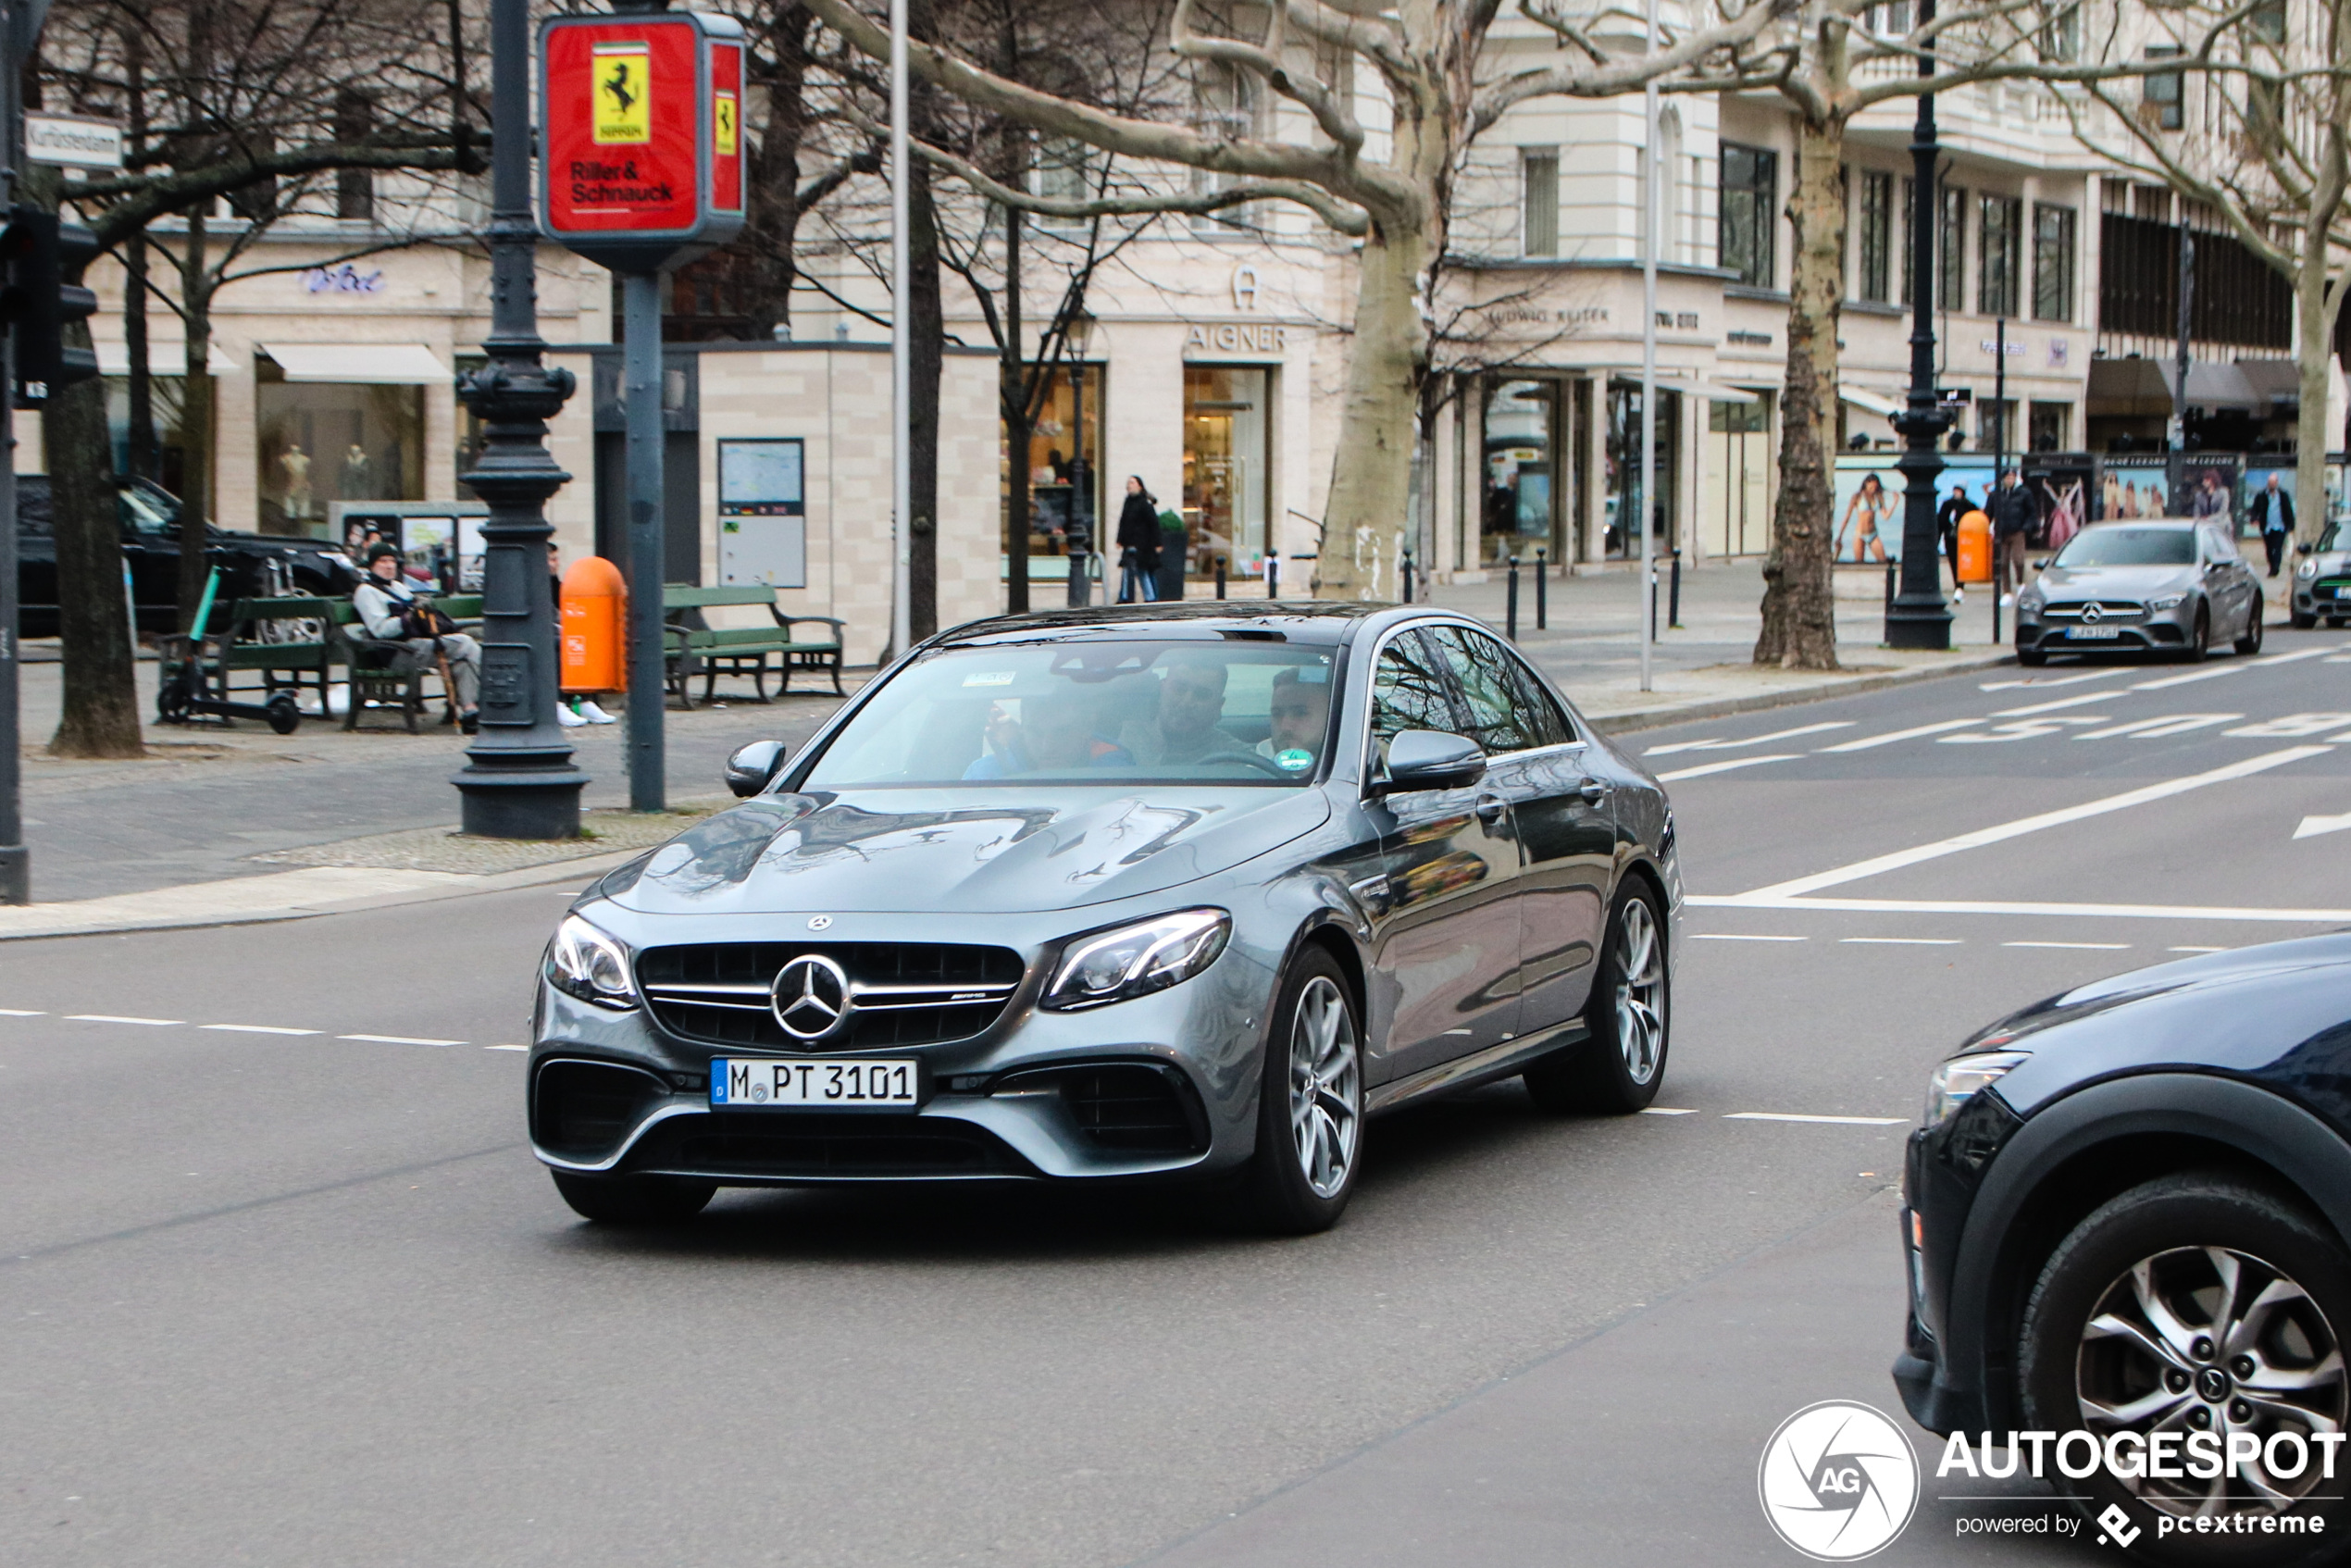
(1542, 710)
(1498, 717)
(2217, 544)
(1408, 690)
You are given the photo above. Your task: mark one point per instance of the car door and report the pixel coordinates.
(1566, 837)
(1445, 930)
(2231, 582)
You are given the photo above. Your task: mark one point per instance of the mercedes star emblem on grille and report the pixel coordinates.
(811, 997)
(2094, 611)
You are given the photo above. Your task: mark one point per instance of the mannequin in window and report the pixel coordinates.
(296, 464)
(358, 478)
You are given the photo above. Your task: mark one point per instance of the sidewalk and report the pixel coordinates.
(222, 825)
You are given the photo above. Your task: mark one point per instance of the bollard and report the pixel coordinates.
(1652, 600)
(1674, 593)
(1889, 588)
(1220, 577)
(1408, 576)
(1514, 601)
(1273, 577)
(1542, 590)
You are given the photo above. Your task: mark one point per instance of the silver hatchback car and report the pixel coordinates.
(2170, 586)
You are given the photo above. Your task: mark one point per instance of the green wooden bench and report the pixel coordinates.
(692, 647)
(287, 642)
(389, 674)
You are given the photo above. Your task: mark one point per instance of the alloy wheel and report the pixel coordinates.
(1325, 1087)
(1640, 992)
(2211, 1339)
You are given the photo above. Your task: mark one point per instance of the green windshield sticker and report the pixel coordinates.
(1296, 760)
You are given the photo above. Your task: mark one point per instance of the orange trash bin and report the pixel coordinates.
(594, 624)
(1976, 548)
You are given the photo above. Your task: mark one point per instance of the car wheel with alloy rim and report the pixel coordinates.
(2251, 641)
(1619, 1067)
(2191, 1304)
(2200, 640)
(1310, 1112)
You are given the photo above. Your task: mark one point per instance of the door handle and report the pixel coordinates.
(1593, 792)
(1490, 809)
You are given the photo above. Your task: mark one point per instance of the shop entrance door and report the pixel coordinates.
(1225, 467)
(1738, 492)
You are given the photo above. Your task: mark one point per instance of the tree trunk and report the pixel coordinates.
(773, 173)
(195, 423)
(145, 456)
(1012, 385)
(1799, 607)
(1372, 466)
(2315, 307)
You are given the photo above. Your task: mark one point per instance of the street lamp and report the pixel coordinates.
(1918, 617)
(1074, 338)
(519, 782)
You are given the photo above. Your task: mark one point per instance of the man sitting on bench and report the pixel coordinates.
(392, 611)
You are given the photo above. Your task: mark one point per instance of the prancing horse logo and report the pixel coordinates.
(811, 997)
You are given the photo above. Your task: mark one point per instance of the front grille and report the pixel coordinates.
(582, 1110)
(2333, 590)
(905, 993)
(2109, 611)
(784, 1144)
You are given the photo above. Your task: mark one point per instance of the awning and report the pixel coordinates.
(406, 365)
(2141, 388)
(1713, 391)
(163, 359)
(1869, 401)
(2279, 381)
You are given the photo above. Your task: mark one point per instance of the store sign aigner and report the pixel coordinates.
(643, 165)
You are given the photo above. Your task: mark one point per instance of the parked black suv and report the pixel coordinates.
(149, 517)
(2126, 1214)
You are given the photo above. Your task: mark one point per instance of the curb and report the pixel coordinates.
(1657, 719)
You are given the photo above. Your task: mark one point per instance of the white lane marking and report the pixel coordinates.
(1837, 1121)
(2323, 651)
(2018, 729)
(2339, 659)
(255, 1029)
(1751, 741)
(505, 1047)
(399, 1040)
(2083, 700)
(2214, 673)
(1879, 865)
(1866, 741)
(21, 1012)
(2043, 681)
(2156, 728)
(1703, 770)
(1740, 936)
(2066, 911)
(2292, 727)
(1905, 941)
(2098, 947)
(1666, 1111)
(2311, 827)
(114, 1019)
(2195, 950)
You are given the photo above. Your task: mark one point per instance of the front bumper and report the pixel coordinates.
(1162, 1085)
(2161, 630)
(2320, 599)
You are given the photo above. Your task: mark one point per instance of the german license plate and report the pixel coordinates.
(2092, 631)
(819, 1083)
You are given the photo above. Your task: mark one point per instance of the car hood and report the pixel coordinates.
(960, 851)
(2119, 582)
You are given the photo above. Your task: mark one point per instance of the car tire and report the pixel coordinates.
(633, 1200)
(2200, 638)
(1310, 1104)
(1628, 1020)
(2149, 1264)
(2251, 641)
(2031, 658)
(2300, 621)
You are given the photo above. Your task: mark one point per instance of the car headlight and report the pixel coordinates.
(2307, 569)
(2029, 599)
(589, 964)
(1957, 1080)
(1150, 955)
(2165, 601)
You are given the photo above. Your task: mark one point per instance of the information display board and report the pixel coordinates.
(642, 168)
(763, 526)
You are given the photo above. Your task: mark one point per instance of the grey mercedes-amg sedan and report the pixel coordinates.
(1176, 891)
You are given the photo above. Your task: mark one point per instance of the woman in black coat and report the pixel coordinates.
(1137, 544)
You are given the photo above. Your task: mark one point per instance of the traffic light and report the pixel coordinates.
(44, 259)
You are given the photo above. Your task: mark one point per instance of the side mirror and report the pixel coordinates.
(2041, 565)
(2302, 549)
(1430, 759)
(753, 767)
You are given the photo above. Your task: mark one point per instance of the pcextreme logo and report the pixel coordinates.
(1838, 1481)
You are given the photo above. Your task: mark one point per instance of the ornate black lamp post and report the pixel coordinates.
(1077, 335)
(519, 782)
(1918, 617)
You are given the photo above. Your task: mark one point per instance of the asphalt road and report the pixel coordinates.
(301, 1298)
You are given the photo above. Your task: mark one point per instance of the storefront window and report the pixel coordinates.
(1624, 511)
(1735, 495)
(166, 394)
(1051, 470)
(1519, 504)
(1224, 465)
(322, 441)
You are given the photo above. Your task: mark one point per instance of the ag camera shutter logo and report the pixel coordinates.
(1838, 1481)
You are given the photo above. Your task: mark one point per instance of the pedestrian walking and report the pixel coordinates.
(2274, 513)
(1137, 544)
(2013, 518)
(1947, 532)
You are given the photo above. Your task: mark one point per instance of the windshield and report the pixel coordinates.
(2333, 539)
(1114, 712)
(2114, 545)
